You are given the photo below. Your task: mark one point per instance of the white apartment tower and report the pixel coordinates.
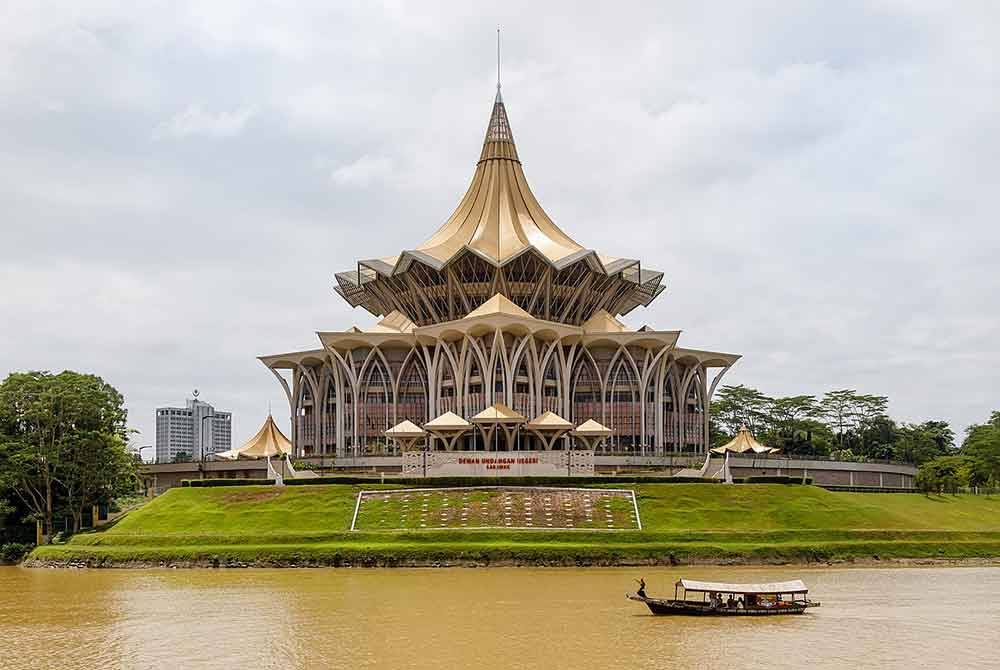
(183, 430)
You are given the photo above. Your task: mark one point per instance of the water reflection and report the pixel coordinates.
(491, 618)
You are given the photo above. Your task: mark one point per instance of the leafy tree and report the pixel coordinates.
(737, 406)
(982, 446)
(919, 443)
(944, 474)
(62, 442)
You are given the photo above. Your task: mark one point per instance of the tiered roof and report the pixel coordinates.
(499, 221)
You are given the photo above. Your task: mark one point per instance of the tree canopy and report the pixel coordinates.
(63, 443)
(842, 423)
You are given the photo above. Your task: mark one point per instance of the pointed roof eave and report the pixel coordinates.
(549, 421)
(498, 304)
(405, 428)
(591, 428)
(447, 421)
(499, 413)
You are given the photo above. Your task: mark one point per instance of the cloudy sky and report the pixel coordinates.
(179, 181)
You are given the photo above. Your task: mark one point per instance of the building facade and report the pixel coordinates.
(499, 306)
(181, 431)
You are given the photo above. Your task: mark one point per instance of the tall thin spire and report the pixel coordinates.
(499, 98)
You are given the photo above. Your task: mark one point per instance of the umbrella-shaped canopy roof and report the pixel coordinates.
(498, 413)
(549, 421)
(405, 429)
(447, 421)
(269, 441)
(744, 442)
(591, 428)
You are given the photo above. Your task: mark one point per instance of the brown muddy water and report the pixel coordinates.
(486, 618)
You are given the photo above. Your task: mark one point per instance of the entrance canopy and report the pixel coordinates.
(549, 427)
(591, 433)
(269, 441)
(406, 434)
(795, 586)
(744, 442)
(449, 427)
(498, 415)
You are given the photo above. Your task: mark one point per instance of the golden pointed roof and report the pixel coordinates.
(405, 428)
(602, 322)
(394, 322)
(744, 442)
(498, 220)
(549, 421)
(591, 428)
(499, 217)
(269, 441)
(447, 421)
(498, 413)
(498, 304)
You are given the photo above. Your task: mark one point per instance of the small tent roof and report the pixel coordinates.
(498, 413)
(498, 304)
(744, 442)
(794, 586)
(591, 428)
(405, 429)
(269, 441)
(394, 322)
(549, 421)
(603, 322)
(447, 421)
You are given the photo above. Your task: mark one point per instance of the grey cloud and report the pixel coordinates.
(180, 182)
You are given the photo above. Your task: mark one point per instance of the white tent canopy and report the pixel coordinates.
(794, 586)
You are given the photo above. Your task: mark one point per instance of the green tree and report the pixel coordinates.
(737, 406)
(944, 474)
(921, 442)
(982, 445)
(62, 442)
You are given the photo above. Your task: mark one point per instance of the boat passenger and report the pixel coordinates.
(642, 588)
(731, 602)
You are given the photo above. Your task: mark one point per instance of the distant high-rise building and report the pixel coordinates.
(183, 431)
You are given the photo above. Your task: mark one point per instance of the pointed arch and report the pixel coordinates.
(587, 390)
(376, 404)
(412, 396)
(622, 402)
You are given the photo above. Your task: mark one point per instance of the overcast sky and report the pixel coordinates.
(179, 181)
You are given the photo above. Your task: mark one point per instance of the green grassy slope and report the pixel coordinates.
(681, 522)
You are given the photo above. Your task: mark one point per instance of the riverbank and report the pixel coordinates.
(682, 524)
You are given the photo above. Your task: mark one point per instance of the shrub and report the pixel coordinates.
(13, 552)
(204, 483)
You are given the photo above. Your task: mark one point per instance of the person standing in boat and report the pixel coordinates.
(642, 588)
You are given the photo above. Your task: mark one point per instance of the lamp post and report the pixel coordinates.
(145, 446)
(201, 464)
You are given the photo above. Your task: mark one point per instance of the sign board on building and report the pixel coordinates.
(498, 463)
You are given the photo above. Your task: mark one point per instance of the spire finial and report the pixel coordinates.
(498, 60)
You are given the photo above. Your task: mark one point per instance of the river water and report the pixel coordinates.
(486, 618)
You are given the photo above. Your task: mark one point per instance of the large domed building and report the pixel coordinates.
(499, 308)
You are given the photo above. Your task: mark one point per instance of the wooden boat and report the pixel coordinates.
(720, 599)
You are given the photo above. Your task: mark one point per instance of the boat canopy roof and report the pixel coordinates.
(794, 586)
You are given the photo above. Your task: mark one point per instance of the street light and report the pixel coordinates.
(201, 466)
(145, 446)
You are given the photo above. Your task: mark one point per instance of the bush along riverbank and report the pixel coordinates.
(681, 523)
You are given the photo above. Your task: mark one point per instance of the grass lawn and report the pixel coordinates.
(681, 523)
